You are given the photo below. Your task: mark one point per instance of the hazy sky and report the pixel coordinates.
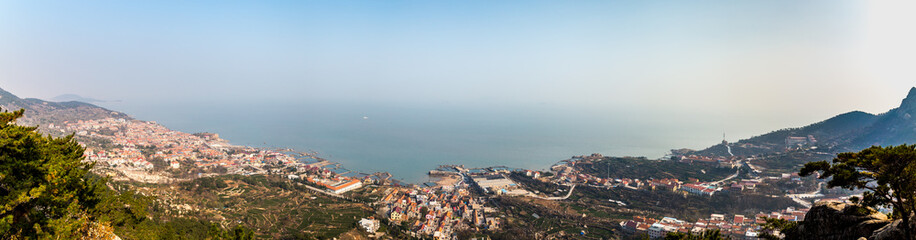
(808, 59)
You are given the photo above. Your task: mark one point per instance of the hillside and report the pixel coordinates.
(202, 187)
(272, 206)
(183, 202)
(850, 131)
(658, 169)
(826, 131)
(42, 113)
(895, 127)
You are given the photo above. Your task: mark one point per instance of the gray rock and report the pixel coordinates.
(893, 230)
(835, 220)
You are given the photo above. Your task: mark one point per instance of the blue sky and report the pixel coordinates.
(723, 57)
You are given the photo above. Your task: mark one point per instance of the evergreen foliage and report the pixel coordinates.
(45, 188)
(48, 192)
(888, 173)
(712, 234)
(641, 168)
(775, 228)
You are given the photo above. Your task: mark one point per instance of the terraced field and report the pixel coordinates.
(271, 206)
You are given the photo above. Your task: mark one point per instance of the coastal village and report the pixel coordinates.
(134, 145)
(458, 201)
(457, 120)
(438, 212)
(736, 226)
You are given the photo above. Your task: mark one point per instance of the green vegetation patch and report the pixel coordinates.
(642, 168)
(272, 206)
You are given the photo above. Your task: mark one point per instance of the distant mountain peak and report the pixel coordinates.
(851, 131)
(910, 98)
(4, 93)
(43, 113)
(74, 97)
(908, 105)
(8, 97)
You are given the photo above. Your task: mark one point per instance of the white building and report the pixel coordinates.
(371, 225)
(658, 230)
(345, 186)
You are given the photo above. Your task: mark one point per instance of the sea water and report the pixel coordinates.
(408, 141)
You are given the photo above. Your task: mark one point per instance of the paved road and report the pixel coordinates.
(728, 178)
(560, 198)
(798, 197)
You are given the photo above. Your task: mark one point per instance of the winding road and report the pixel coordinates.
(798, 197)
(560, 198)
(728, 178)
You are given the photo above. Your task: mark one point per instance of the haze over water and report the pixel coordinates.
(409, 141)
(470, 82)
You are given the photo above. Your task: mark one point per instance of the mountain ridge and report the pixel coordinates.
(896, 126)
(42, 113)
(850, 131)
(75, 98)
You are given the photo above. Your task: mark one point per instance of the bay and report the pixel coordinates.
(407, 141)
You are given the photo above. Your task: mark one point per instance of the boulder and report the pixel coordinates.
(888, 232)
(893, 230)
(836, 220)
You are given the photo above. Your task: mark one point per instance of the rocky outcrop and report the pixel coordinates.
(101, 232)
(835, 220)
(893, 231)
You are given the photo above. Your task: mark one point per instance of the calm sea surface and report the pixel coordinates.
(409, 141)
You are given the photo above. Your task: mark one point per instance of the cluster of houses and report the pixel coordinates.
(133, 144)
(321, 170)
(736, 227)
(789, 214)
(670, 184)
(568, 174)
(491, 180)
(124, 141)
(332, 177)
(719, 161)
(130, 158)
(698, 188)
(800, 142)
(438, 212)
(435, 211)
